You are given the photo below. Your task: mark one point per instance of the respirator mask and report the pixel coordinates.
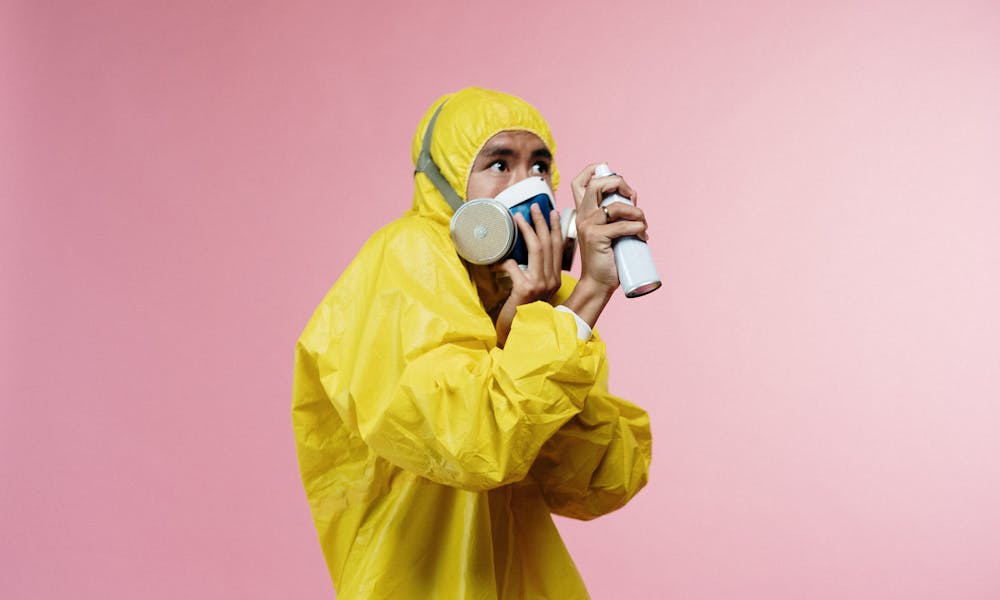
(483, 229)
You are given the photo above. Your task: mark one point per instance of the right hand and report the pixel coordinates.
(542, 278)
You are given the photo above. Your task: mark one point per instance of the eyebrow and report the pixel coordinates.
(505, 151)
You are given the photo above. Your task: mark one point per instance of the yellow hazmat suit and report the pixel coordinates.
(431, 458)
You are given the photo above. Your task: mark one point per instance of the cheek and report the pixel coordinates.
(483, 184)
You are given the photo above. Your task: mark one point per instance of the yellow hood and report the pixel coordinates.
(468, 119)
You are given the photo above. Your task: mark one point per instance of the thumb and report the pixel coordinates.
(510, 267)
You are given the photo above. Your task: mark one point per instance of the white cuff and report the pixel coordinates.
(583, 330)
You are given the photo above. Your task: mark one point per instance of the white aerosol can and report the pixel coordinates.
(636, 270)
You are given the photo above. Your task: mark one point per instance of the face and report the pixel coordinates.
(508, 157)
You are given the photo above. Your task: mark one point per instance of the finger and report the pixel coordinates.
(589, 219)
(557, 241)
(544, 269)
(628, 191)
(623, 228)
(614, 184)
(598, 189)
(592, 198)
(623, 187)
(620, 211)
(512, 269)
(579, 184)
(530, 241)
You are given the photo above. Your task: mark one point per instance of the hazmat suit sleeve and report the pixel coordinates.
(598, 460)
(407, 356)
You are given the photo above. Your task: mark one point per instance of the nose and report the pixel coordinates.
(519, 175)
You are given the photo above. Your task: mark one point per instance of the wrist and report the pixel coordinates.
(588, 299)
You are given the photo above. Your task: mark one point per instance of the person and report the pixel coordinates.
(443, 411)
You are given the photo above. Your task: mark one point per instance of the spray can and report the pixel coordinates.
(636, 270)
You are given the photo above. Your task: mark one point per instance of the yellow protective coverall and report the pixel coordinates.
(431, 458)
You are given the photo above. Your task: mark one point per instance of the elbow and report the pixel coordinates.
(595, 502)
(609, 488)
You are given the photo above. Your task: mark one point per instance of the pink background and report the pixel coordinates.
(182, 181)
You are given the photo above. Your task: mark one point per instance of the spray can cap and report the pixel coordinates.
(602, 170)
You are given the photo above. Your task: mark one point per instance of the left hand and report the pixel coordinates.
(596, 229)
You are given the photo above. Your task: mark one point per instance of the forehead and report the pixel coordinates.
(513, 141)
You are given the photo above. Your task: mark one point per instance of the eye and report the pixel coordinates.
(498, 165)
(540, 167)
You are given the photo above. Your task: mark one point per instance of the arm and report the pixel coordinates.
(600, 459)
(596, 229)
(408, 359)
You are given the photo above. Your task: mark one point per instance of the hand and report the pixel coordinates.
(543, 277)
(595, 232)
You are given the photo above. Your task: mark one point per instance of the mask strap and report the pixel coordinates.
(425, 165)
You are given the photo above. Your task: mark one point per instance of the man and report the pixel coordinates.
(442, 410)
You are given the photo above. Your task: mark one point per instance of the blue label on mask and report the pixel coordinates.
(520, 251)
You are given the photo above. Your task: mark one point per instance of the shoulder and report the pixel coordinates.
(413, 252)
(411, 239)
(409, 268)
(411, 259)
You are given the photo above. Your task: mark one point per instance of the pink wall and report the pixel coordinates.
(181, 182)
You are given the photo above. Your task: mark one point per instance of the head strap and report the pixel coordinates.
(426, 165)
